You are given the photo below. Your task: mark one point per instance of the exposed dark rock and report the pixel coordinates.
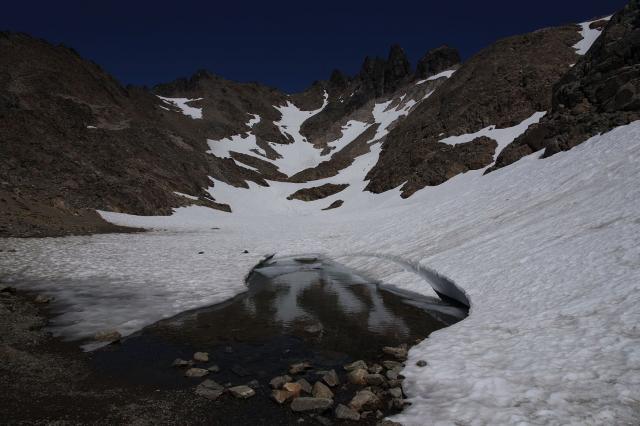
(365, 400)
(210, 390)
(331, 378)
(437, 60)
(421, 363)
(107, 336)
(201, 356)
(196, 372)
(345, 413)
(317, 192)
(501, 85)
(242, 391)
(305, 404)
(334, 205)
(600, 92)
(320, 390)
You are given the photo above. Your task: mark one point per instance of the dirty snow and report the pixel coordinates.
(182, 104)
(548, 251)
(588, 36)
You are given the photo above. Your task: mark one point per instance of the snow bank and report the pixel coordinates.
(443, 74)
(548, 252)
(589, 36)
(182, 104)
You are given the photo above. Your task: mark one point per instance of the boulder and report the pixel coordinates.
(345, 413)
(278, 382)
(375, 369)
(304, 385)
(400, 352)
(280, 396)
(210, 390)
(355, 365)
(392, 365)
(201, 356)
(306, 404)
(181, 363)
(196, 372)
(293, 388)
(374, 379)
(358, 376)
(299, 367)
(395, 392)
(242, 392)
(320, 390)
(331, 378)
(365, 400)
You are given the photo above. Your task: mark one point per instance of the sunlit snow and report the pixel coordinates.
(182, 104)
(588, 36)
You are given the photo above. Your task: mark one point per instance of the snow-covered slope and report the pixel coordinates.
(548, 254)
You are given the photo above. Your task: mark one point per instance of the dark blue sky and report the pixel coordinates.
(283, 44)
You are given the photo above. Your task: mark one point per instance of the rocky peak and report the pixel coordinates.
(397, 69)
(338, 79)
(437, 60)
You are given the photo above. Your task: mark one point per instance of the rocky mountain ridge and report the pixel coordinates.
(75, 140)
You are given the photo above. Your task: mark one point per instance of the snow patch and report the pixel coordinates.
(589, 36)
(182, 104)
(445, 74)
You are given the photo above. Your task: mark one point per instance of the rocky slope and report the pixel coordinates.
(75, 140)
(600, 92)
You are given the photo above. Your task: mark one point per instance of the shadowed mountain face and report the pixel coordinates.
(75, 140)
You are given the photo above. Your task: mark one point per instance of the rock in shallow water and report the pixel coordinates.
(210, 390)
(179, 362)
(299, 367)
(196, 372)
(331, 378)
(357, 376)
(280, 396)
(360, 364)
(293, 388)
(320, 390)
(242, 391)
(201, 356)
(364, 400)
(304, 385)
(305, 404)
(278, 382)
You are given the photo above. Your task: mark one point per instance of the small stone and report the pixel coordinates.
(400, 352)
(320, 390)
(304, 385)
(107, 336)
(246, 251)
(181, 363)
(277, 382)
(280, 396)
(394, 383)
(392, 365)
(374, 379)
(213, 368)
(43, 299)
(421, 363)
(345, 413)
(331, 378)
(397, 403)
(254, 384)
(303, 404)
(293, 388)
(387, 422)
(196, 372)
(299, 367)
(357, 376)
(395, 392)
(356, 365)
(364, 399)
(375, 369)
(392, 374)
(313, 329)
(210, 390)
(242, 391)
(201, 356)
(365, 414)
(200, 252)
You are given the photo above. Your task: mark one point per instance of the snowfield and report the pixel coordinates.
(548, 252)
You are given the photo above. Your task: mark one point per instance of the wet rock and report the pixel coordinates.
(242, 392)
(400, 352)
(299, 367)
(357, 376)
(240, 370)
(254, 384)
(364, 400)
(396, 383)
(392, 365)
(396, 403)
(181, 363)
(331, 378)
(375, 369)
(196, 372)
(305, 404)
(201, 356)
(280, 396)
(392, 374)
(421, 363)
(278, 382)
(213, 368)
(320, 390)
(304, 385)
(345, 413)
(356, 365)
(374, 379)
(395, 392)
(293, 388)
(388, 423)
(43, 299)
(313, 329)
(210, 390)
(107, 336)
